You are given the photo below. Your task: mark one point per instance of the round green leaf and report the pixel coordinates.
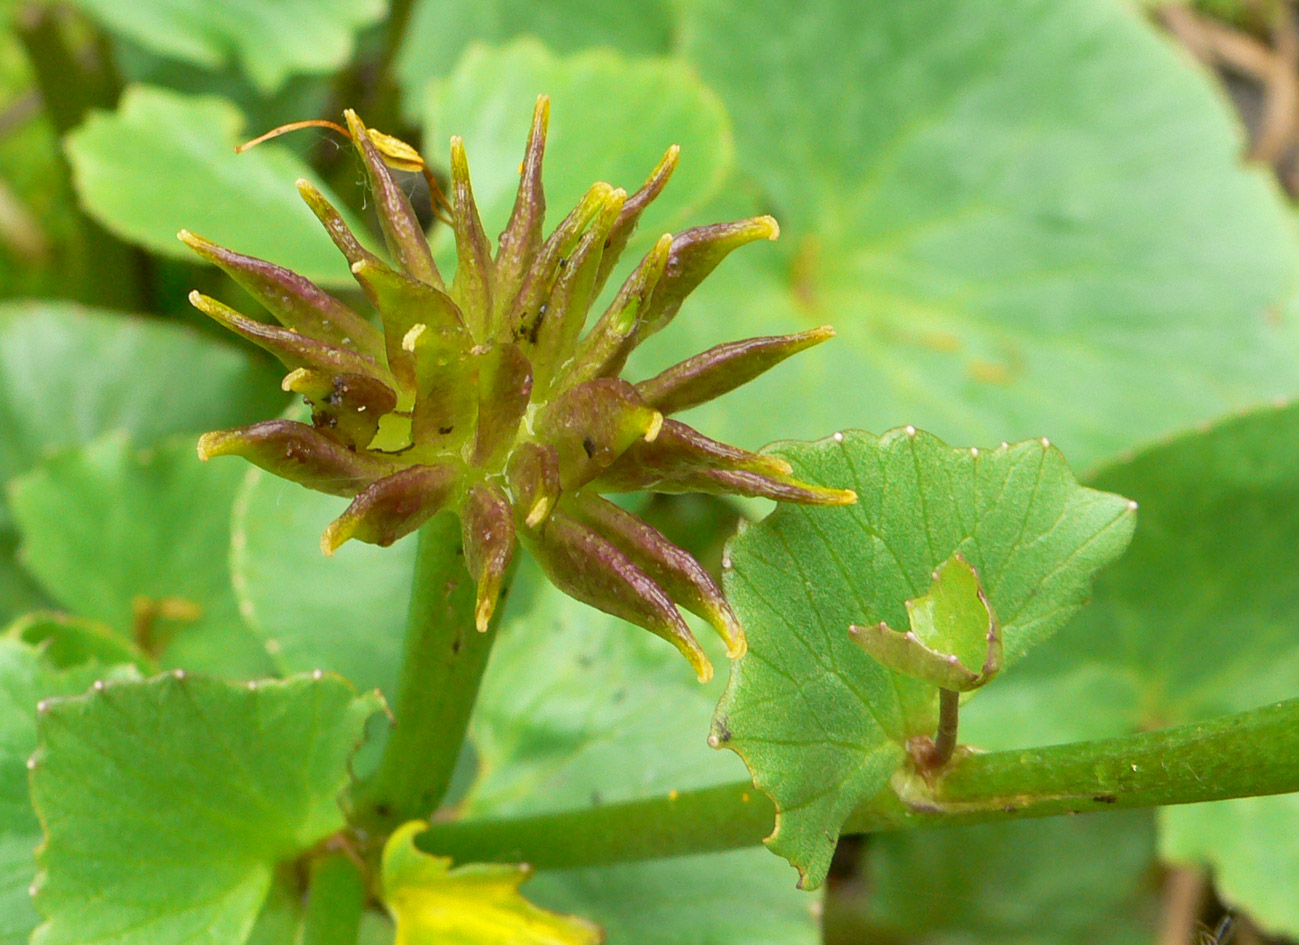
(611, 119)
(163, 162)
(139, 539)
(1016, 231)
(168, 804)
(346, 613)
(439, 31)
(69, 374)
(819, 723)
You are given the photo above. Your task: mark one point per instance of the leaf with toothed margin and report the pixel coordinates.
(617, 717)
(169, 804)
(163, 162)
(139, 539)
(26, 677)
(820, 724)
(646, 106)
(1196, 621)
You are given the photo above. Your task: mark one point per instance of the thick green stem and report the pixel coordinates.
(336, 902)
(1251, 753)
(442, 665)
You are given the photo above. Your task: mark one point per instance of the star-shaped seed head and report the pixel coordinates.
(485, 397)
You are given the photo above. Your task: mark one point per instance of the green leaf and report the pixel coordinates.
(69, 374)
(716, 899)
(25, 679)
(168, 804)
(439, 31)
(819, 723)
(1059, 880)
(644, 106)
(617, 716)
(139, 539)
(1196, 621)
(272, 39)
(163, 162)
(1044, 229)
(475, 904)
(346, 613)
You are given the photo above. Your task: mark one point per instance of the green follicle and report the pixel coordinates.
(479, 394)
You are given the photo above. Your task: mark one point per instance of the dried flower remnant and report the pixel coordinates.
(483, 396)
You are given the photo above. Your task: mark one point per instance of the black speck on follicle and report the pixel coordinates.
(596, 799)
(563, 261)
(456, 644)
(445, 430)
(1105, 799)
(722, 728)
(588, 444)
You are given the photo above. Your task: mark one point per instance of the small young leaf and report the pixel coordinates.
(475, 904)
(820, 724)
(954, 641)
(168, 804)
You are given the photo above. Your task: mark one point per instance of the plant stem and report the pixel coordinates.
(336, 902)
(1242, 755)
(442, 664)
(949, 708)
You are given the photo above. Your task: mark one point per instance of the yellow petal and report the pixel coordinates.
(475, 904)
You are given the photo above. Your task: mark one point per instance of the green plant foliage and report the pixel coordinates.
(615, 718)
(993, 220)
(164, 161)
(1170, 637)
(440, 31)
(25, 679)
(138, 540)
(819, 723)
(163, 829)
(644, 105)
(345, 613)
(71, 374)
(994, 883)
(271, 40)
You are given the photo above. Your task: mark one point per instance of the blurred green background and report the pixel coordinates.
(1069, 218)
